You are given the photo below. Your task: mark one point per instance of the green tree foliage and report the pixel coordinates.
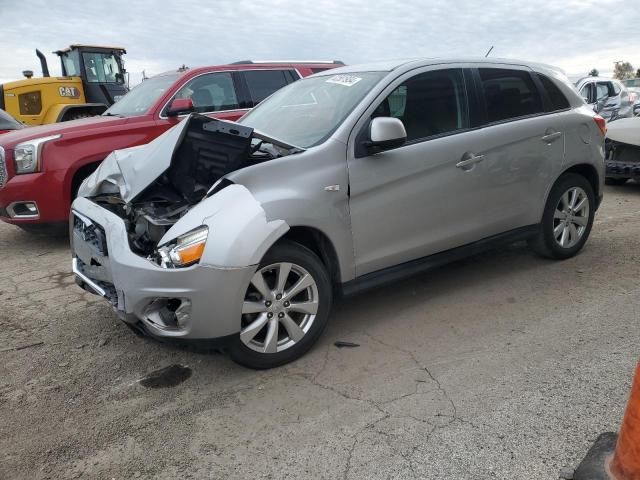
(594, 73)
(622, 70)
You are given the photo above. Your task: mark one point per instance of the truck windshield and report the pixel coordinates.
(142, 97)
(101, 67)
(307, 112)
(71, 63)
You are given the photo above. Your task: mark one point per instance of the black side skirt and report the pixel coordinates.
(420, 265)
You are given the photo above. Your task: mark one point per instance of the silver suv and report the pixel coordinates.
(243, 233)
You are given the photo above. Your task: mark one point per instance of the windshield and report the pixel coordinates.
(631, 82)
(70, 64)
(101, 68)
(308, 111)
(142, 97)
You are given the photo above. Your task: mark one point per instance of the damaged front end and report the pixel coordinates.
(622, 149)
(171, 243)
(152, 187)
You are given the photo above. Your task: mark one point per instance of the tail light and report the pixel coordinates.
(633, 97)
(602, 124)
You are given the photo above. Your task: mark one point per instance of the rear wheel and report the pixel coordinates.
(615, 181)
(286, 308)
(567, 218)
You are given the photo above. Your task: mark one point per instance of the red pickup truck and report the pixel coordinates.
(42, 167)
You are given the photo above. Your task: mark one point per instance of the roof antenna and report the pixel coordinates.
(489, 52)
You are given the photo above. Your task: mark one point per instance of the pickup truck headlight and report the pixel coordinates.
(26, 156)
(186, 250)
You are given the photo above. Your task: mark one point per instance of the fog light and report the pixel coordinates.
(23, 210)
(168, 313)
(183, 312)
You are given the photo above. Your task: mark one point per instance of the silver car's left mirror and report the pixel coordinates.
(385, 133)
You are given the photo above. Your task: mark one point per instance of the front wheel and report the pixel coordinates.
(286, 308)
(567, 218)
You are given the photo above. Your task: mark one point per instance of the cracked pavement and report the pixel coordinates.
(504, 365)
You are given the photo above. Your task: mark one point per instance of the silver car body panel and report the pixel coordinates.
(139, 282)
(130, 170)
(625, 130)
(375, 211)
(239, 232)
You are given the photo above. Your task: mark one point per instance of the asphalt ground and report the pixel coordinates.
(504, 365)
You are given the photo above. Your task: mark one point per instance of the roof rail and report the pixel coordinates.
(248, 62)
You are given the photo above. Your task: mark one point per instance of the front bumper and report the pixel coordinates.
(197, 302)
(43, 189)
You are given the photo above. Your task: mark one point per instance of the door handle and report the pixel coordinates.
(469, 159)
(551, 137)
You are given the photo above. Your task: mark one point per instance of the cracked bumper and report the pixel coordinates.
(143, 292)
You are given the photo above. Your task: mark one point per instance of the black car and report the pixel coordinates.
(8, 123)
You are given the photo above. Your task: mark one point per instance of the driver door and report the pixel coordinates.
(418, 199)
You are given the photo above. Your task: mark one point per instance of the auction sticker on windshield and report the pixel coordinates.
(346, 80)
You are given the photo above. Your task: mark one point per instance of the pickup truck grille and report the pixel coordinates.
(3, 168)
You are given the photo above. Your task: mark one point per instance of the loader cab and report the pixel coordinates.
(101, 69)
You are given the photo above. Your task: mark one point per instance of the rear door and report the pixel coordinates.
(522, 144)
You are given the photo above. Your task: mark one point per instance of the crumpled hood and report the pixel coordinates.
(130, 170)
(625, 130)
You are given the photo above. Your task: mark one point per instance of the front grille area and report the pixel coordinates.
(108, 287)
(3, 168)
(91, 233)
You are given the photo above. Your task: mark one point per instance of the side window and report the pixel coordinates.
(588, 93)
(509, 94)
(616, 88)
(212, 92)
(262, 83)
(556, 97)
(431, 103)
(602, 90)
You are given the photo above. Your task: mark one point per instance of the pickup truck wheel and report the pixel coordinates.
(286, 308)
(567, 218)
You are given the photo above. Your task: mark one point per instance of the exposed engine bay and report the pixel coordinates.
(207, 150)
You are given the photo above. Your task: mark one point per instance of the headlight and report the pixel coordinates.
(26, 156)
(186, 250)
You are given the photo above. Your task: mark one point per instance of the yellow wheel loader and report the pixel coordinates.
(93, 78)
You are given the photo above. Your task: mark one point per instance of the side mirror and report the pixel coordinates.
(179, 106)
(385, 133)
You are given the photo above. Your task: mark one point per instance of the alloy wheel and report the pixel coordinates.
(571, 217)
(280, 307)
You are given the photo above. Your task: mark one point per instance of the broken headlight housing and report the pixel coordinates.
(185, 250)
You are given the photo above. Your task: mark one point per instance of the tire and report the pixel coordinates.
(615, 181)
(257, 346)
(551, 242)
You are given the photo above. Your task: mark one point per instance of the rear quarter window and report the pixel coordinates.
(557, 99)
(509, 94)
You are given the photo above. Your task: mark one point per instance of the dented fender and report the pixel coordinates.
(239, 232)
